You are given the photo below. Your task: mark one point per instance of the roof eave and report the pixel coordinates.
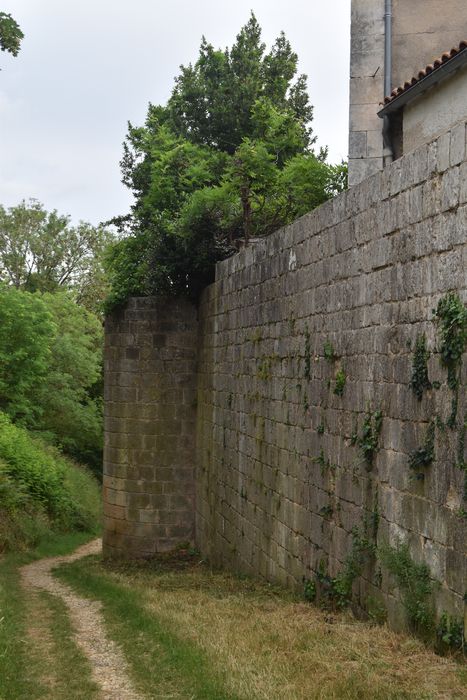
(436, 76)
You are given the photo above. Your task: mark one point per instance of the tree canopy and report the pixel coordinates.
(229, 157)
(51, 369)
(10, 34)
(41, 251)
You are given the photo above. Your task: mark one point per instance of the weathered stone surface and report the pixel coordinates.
(150, 411)
(281, 481)
(280, 486)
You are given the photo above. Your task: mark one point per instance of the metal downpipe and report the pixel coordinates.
(388, 151)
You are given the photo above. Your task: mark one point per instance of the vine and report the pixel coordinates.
(341, 379)
(423, 456)
(415, 584)
(329, 353)
(307, 355)
(369, 437)
(451, 317)
(337, 591)
(420, 381)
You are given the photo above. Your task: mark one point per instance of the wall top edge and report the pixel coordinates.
(411, 169)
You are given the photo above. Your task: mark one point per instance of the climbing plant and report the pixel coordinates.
(369, 437)
(420, 381)
(415, 584)
(423, 456)
(451, 317)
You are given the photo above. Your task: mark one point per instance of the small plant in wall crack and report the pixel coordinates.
(369, 437)
(329, 353)
(341, 379)
(419, 381)
(423, 456)
(307, 355)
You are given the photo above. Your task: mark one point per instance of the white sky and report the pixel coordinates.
(88, 66)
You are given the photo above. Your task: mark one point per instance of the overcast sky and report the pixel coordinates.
(88, 66)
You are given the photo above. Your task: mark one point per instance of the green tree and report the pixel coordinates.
(26, 326)
(229, 157)
(70, 396)
(51, 369)
(41, 251)
(10, 34)
(213, 99)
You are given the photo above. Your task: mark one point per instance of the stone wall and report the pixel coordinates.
(306, 344)
(305, 336)
(150, 409)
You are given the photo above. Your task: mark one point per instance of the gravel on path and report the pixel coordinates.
(109, 668)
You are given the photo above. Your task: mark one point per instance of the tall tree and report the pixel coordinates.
(213, 99)
(230, 156)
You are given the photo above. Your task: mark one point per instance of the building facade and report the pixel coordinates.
(421, 31)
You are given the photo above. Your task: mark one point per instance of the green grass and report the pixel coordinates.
(71, 667)
(21, 665)
(190, 632)
(163, 664)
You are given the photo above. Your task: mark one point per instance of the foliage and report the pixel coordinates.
(450, 633)
(423, 456)
(307, 355)
(26, 327)
(228, 158)
(40, 489)
(415, 585)
(369, 437)
(329, 353)
(341, 379)
(213, 101)
(70, 397)
(51, 369)
(309, 589)
(337, 591)
(10, 34)
(419, 381)
(41, 251)
(451, 316)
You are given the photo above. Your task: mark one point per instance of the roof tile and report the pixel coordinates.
(437, 63)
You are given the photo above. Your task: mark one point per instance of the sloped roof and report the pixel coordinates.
(429, 75)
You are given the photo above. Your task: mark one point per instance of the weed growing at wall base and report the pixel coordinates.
(415, 584)
(423, 456)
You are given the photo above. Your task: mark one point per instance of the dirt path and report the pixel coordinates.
(109, 668)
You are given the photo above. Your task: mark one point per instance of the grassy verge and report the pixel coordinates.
(164, 664)
(23, 663)
(41, 491)
(190, 632)
(71, 668)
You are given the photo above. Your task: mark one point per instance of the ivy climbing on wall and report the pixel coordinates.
(420, 381)
(451, 318)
